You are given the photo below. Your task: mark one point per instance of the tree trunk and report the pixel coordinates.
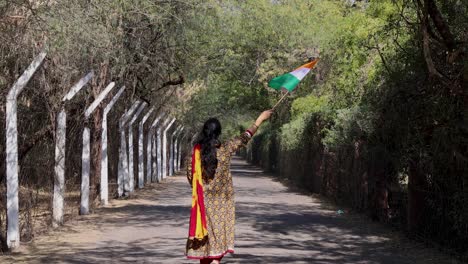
(416, 196)
(378, 188)
(440, 24)
(96, 135)
(96, 155)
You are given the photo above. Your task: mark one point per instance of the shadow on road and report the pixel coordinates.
(274, 225)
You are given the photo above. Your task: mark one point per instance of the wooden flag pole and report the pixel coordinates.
(282, 98)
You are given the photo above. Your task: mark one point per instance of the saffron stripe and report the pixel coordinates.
(201, 202)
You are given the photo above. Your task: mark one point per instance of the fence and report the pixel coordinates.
(163, 150)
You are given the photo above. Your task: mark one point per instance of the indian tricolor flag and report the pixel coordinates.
(289, 81)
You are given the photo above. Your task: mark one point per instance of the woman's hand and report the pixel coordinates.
(265, 115)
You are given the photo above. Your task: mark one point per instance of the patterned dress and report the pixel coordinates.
(219, 205)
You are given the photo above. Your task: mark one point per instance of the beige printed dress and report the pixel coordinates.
(219, 205)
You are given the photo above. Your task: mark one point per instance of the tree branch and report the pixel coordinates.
(24, 149)
(440, 24)
(424, 18)
(40, 135)
(180, 80)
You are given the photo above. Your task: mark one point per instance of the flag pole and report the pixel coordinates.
(282, 98)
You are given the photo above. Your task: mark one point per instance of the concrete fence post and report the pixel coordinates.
(86, 154)
(158, 146)
(179, 141)
(173, 150)
(176, 148)
(181, 146)
(122, 179)
(154, 153)
(11, 133)
(151, 151)
(121, 168)
(165, 157)
(131, 157)
(60, 152)
(104, 153)
(141, 152)
(149, 155)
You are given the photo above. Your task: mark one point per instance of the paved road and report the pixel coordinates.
(274, 225)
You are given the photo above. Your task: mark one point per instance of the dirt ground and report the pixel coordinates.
(274, 225)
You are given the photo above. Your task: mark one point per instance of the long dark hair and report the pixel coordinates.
(209, 142)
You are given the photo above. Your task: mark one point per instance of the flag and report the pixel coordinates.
(289, 81)
(198, 229)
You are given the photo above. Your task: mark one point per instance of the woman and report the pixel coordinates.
(211, 233)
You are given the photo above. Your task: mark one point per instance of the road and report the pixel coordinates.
(274, 225)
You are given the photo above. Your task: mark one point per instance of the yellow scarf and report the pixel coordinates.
(198, 228)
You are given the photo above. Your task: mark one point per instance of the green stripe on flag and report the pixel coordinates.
(286, 81)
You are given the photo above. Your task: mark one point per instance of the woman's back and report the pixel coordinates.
(219, 203)
(212, 218)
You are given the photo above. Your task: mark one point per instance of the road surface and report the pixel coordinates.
(274, 225)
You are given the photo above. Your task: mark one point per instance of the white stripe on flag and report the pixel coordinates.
(300, 73)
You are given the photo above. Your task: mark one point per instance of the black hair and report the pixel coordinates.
(209, 143)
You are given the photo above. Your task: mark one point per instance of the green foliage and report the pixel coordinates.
(304, 113)
(350, 125)
(373, 103)
(244, 44)
(309, 104)
(293, 132)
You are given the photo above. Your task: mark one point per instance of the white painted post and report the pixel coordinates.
(159, 150)
(141, 152)
(12, 170)
(86, 155)
(150, 149)
(78, 86)
(176, 153)
(122, 156)
(154, 176)
(181, 144)
(179, 138)
(59, 179)
(149, 154)
(176, 148)
(172, 151)
(158, 143)
(165, 154)
(123, 151)
(60, 150)
(104, 154)
(85, 168)
(131, 157)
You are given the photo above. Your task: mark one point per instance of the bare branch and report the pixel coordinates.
(180, 80)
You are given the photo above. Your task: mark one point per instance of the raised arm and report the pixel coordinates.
(234, 144)
(265, 115)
